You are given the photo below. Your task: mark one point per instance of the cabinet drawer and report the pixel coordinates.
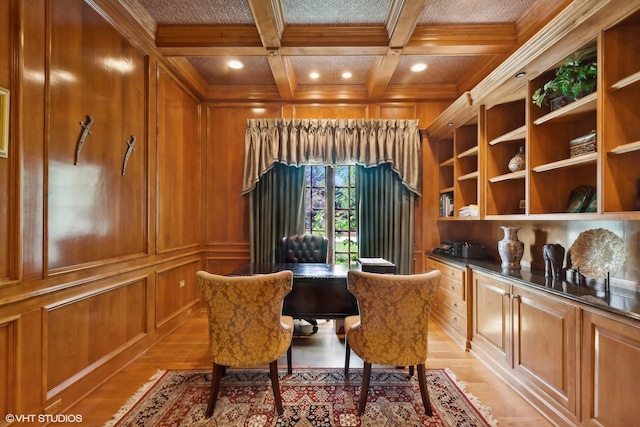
(452, 278)
(452, 318)
(453, 302)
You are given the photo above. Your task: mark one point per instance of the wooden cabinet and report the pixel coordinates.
(511, 121)
(452, 304)
(610, 370)
(531, 339)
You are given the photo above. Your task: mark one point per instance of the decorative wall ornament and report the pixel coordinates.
(4, 122)
(86, 131)
(128, 153)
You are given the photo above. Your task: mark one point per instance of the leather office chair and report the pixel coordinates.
(392, 328)
(304, 248)
(246, 325)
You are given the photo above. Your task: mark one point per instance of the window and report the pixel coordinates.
(330, 209)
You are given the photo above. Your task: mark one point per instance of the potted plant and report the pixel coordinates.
(574, 79)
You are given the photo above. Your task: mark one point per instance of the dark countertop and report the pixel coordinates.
(619, 300)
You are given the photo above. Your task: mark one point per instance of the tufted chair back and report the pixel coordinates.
(393, 322)
(304, 248)
(246, 325)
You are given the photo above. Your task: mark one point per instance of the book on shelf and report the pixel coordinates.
(446, 204)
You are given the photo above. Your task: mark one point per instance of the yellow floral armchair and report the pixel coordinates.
(246, 325)
(392, 326)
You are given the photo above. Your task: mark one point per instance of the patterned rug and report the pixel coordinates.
(311, 397)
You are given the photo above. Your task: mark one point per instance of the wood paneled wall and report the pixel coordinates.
(227, 228)
(97, 262)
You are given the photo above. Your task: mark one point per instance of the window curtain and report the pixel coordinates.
(272, 143)
(385, 217)
(276, 210)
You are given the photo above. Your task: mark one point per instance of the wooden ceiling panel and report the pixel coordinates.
(282, 41)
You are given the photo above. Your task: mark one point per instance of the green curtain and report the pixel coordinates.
(386, 217)
(277, 210)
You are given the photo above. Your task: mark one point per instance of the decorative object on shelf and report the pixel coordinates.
(86, 131)
(583, 145)
(597, 253)
(510, 248)
(553, 255)
(517, 162)
(575, 78)
(4, 121)
(580, 199)
(128, 153)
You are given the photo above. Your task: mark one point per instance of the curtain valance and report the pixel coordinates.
(297, 142)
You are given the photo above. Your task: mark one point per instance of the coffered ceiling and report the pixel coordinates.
(281, 43)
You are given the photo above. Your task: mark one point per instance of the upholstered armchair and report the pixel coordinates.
(246, 325)
(304, 248)
(392, 325)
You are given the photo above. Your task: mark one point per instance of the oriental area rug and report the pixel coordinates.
(311, 397)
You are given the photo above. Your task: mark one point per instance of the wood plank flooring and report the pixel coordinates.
(186, 348)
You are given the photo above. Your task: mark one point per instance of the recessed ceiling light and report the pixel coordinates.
(418, 67)
(346, 75)
(314, 75)
(235, 64)
(521, 74)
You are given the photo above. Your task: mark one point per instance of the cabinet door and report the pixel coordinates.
(491, 316)
(545, 344)
(610, 371)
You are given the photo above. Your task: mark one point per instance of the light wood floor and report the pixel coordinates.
(186, 348)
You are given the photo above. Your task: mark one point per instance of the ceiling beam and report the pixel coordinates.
(401, 21)
(187, 36)
(269, 20)
(475, 39)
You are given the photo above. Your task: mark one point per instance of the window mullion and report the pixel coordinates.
(330, 212)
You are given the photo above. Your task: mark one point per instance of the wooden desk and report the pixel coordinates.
(319, 290)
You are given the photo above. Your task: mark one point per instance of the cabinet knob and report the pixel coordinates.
(455, 319)
(451, 287)
(451, 273)
(455, 305)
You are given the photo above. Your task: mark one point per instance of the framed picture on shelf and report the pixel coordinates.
(4, 122)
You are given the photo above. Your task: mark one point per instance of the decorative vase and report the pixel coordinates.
(517, 162)
(510, 248)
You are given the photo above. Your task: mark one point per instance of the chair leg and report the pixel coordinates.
(218, 372)
(275, 384)
(411, 370)
(347, 356)
(289, 359)
(366, 376)
(422, 381)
